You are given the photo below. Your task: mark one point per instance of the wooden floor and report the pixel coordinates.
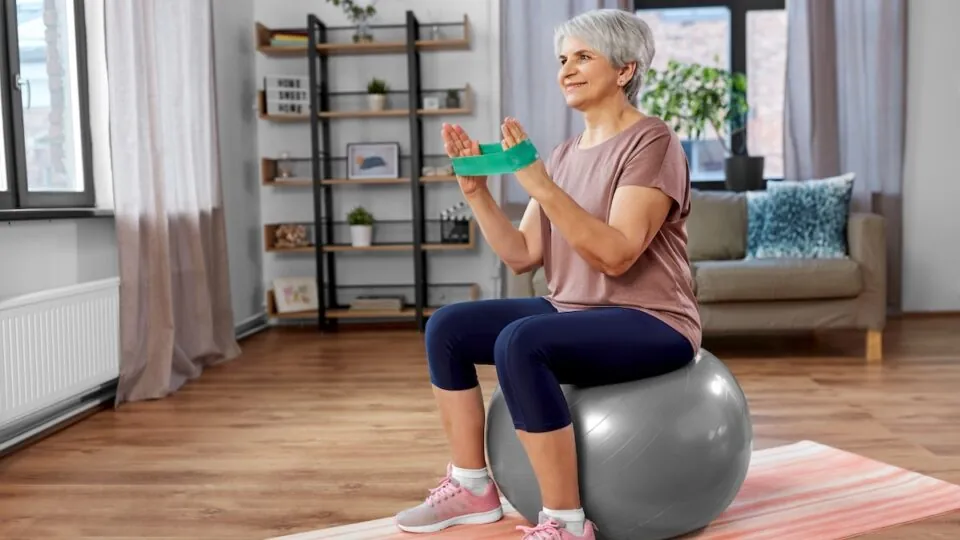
(307, 431)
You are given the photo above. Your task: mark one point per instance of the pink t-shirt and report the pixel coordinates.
(648, 153)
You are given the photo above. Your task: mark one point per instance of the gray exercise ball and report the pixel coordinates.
(658, 458)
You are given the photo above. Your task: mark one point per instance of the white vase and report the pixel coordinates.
(377, 102)
(361, 235)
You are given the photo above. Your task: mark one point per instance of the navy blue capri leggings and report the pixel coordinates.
(536, 349)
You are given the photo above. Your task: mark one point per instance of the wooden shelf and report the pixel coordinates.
(268, 177)
(466, 108)
(307, 182)
(343, 313)
(263, 34)
(269, 235)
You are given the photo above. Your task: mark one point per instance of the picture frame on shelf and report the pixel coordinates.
(295, 294)
(373, 160)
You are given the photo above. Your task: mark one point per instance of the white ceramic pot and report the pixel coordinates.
(377, 102)
(361, 235)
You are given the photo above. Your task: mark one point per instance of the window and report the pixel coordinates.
(747, 36)
(46, 158)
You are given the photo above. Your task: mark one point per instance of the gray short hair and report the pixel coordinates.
(619, 35)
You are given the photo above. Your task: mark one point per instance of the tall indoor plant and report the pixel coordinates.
(690, 97)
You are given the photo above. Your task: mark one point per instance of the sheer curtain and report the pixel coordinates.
(846, 102)
(176, 315)
(528, 76)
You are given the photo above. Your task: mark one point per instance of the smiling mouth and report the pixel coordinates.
(574, 86)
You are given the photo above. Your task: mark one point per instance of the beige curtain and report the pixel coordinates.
(176, 315)
(846, 102)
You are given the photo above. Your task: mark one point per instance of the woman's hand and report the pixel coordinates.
(533, 178)
(457, 144)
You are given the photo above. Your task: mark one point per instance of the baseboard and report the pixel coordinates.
(46, 422)
(251, 325)
(925, 315)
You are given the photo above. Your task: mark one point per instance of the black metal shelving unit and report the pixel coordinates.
(318, 54)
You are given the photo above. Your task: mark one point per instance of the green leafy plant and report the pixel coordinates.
(354, 12)
(360, 216)
(690, 97)
(377, 86)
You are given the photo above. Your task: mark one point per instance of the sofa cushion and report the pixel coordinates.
(776, 279)
(716, 226)
(805, 219)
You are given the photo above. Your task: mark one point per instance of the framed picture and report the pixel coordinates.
(295, 294)
(431, 102)
(373, 160)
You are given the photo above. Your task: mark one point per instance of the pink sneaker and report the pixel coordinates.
(552, 529)
(451, 504)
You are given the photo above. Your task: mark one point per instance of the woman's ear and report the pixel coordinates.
(626, 73)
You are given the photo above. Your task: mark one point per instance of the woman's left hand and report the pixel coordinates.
(533, 177)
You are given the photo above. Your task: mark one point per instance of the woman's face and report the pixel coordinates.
(585, 76)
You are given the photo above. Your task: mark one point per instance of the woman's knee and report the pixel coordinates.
(445, 324)
(444, 336)
(532, 393)
(516, 348)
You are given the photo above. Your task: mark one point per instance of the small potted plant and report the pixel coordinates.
(691, 97)
(359, 16)
(377, 94)
(361, 227)
(453, 99)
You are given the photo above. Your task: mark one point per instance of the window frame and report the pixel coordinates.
(738, 48)
(18, 197)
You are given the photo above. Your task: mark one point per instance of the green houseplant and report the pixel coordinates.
(361, 227)
(359, 16)
(693, 98)
(377, 94)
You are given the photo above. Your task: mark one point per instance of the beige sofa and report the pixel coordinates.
(744, 296)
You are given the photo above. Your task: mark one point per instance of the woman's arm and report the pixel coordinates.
(636, 216)
(520, 249)
(637, 211)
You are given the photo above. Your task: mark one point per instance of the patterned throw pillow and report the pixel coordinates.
(806, 219)
(757, 209)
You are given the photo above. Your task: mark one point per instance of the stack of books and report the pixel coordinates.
(289, 39)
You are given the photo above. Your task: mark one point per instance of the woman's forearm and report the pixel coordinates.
(504, 238)
(602, 246)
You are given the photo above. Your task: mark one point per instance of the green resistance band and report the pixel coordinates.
(493, 159)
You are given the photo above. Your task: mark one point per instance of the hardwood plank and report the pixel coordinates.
(307, 430)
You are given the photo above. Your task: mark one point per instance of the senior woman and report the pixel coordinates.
(606, 220)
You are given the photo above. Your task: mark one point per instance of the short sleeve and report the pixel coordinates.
(656, 159)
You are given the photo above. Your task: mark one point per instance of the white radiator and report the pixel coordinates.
(57, 344)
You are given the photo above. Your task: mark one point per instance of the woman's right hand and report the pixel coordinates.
(457, 144)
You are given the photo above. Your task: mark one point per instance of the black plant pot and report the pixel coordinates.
(744, 173)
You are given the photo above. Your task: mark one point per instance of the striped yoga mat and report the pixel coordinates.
(799, 491)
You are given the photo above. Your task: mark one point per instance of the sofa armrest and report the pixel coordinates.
(866, 237)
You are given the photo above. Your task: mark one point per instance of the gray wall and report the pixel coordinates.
(40, 255)
(931, 253)
(239, 164)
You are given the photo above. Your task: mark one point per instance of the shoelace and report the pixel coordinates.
(447, 488)
(548, 530)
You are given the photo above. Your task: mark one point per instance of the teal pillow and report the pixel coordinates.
(757, 208)
(805, 219)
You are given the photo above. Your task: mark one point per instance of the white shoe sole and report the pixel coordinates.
(468, 519)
